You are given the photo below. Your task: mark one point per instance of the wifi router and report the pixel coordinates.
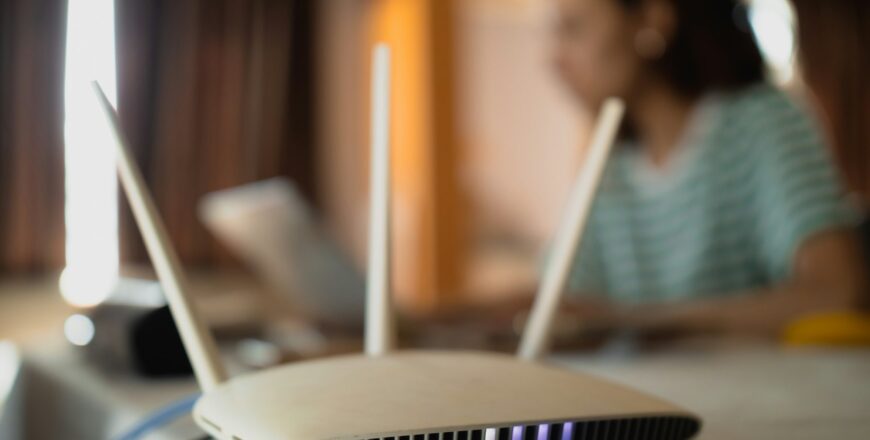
(409, 395)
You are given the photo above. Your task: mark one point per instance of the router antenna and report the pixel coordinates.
(198, 342)
(379, 336)
(536, 335)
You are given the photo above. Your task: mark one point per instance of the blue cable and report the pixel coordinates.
(161, 417)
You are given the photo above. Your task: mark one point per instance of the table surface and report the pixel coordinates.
(753, 393)
(740, 393)
(60, 395)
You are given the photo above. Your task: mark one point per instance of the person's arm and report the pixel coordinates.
(803, 239)
(828, 274)
(801, 226)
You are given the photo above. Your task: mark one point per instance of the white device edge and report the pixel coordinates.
(198, 341)
(535, 338)
(379, 333)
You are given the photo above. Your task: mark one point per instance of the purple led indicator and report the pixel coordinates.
(543, 432)
(567, 431)
(517, 433)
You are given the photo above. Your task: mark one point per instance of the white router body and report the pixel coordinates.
(409, 395)
(430, 394)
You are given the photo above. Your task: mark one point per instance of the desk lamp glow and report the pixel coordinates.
(409, 395)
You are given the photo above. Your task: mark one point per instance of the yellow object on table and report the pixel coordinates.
(829, 329)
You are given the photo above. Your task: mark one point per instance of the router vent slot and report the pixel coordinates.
(644, 428)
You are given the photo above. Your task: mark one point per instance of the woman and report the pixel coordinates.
(720, 209)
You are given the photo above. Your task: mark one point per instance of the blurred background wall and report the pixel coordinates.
(833, 34)
(485, 142)
(32, 35)
(218, 93)
(213, 94)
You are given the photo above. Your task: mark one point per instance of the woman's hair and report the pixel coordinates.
(711, 49)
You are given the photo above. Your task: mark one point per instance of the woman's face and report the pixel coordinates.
(594, 49)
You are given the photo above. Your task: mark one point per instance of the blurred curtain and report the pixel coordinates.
(834, 43)
(32, 35)
(213, 94)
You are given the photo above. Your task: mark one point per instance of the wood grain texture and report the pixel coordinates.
(833, 38)
(32, 49)
(213, 95)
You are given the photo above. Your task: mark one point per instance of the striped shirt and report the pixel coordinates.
(750, 181)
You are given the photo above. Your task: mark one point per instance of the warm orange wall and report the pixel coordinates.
(430, 253)
(484, 138)
(428, 248)
(521, 129)
(404, 25)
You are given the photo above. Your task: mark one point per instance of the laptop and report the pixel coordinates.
(272, 228)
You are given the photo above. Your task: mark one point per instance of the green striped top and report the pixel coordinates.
(750, 182)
